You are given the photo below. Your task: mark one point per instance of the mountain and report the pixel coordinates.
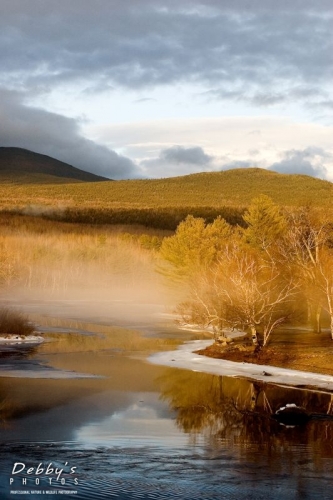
(23, 166)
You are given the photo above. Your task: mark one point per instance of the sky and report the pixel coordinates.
(151, 88)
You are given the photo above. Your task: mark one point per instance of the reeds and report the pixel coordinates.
(14, 322)
(35, 253)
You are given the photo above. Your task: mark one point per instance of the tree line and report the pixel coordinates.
(153, 217)
(274, 268)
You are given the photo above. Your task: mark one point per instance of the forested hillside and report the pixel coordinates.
(163, 203)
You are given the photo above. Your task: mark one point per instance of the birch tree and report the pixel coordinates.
(324, 281)
(309, 234)
(241, 290)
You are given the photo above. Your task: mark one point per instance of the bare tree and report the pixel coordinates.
(324, 281)
(241, 290)
(309, 234)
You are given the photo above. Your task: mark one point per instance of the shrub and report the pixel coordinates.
(150, 242)
(14, 322)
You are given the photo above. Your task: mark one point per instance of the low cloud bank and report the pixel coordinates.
(57, 136)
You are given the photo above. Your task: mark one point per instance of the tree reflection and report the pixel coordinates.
(239, 411)
(6, 407)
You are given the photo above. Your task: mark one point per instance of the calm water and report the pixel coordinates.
(133, 430)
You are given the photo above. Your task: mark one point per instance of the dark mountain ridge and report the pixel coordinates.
(17, 164)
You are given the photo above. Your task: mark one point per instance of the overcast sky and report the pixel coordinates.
(145, 88)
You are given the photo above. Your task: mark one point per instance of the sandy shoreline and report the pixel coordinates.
(186, 358)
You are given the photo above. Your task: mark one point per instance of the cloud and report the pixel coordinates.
(240, 50)
(102, 59)
(219, 135)
(57, 136)
(310, 161)
(238, 164)
(179, 160)
(231, 142)
(98, 88)
(180, 154)
(255, 94)
(190, 159)
(144, 99)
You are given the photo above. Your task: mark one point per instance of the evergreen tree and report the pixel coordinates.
(265, 223)
(194, 245)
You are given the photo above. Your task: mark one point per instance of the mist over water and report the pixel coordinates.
(96, 274)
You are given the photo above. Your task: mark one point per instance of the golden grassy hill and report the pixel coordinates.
(232, 187)
(164, 202)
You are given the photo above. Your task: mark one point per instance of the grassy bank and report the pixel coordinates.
(297, 349)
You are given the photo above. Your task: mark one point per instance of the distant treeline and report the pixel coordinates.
(158, 218)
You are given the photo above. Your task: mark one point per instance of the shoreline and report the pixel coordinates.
(11, 338)
(186, 357)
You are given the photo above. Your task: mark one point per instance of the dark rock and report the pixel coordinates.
(292, 415)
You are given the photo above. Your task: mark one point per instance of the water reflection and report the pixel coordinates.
(144, 421)
(139, 425)
(240, 412)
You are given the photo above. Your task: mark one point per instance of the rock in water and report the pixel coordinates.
(292, 414)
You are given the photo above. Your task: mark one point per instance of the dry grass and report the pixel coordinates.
(14, 322)
(35, 253)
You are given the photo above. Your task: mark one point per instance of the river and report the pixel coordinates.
(87, 416)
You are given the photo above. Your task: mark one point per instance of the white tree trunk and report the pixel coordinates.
(318, 319)
(254, 335)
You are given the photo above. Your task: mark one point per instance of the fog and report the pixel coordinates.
(97, 275)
